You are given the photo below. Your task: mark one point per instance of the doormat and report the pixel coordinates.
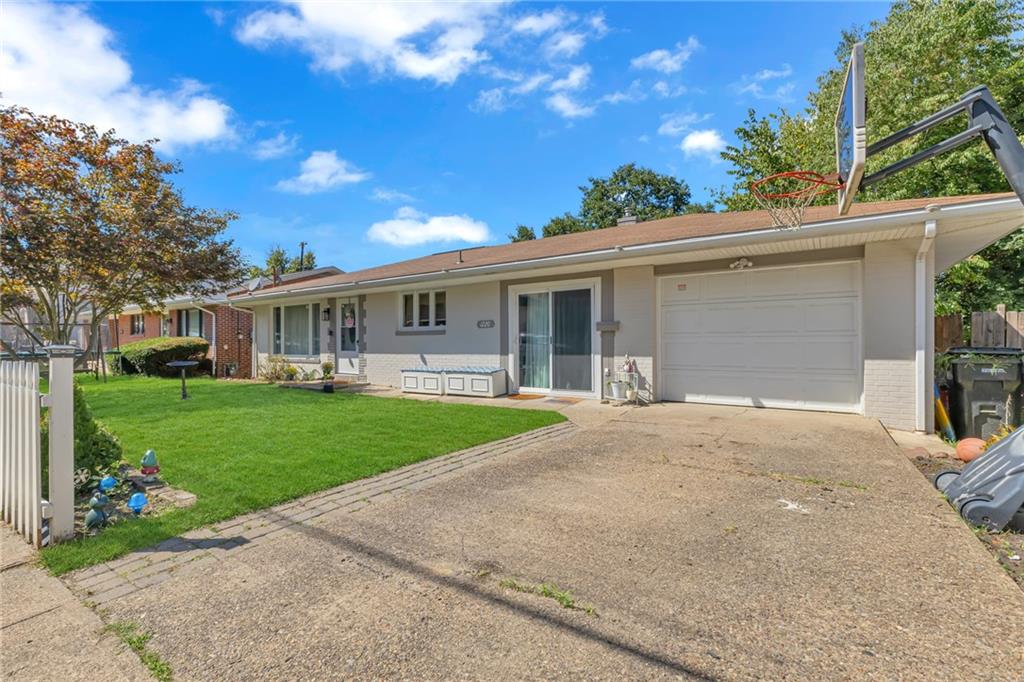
(524, 396)
(564, 401)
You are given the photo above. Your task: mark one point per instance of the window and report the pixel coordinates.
(297, 330)
(424, 310)
(138, 324)
(349, 330)
(190, 322)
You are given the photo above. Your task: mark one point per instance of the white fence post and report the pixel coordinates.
(62, 441)
(20, 466)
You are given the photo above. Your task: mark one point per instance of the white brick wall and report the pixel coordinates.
(889, 392)
(635, 310)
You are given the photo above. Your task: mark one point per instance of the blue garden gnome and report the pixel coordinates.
(97, 517)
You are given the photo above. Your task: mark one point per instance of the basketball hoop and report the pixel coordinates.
(787, 195)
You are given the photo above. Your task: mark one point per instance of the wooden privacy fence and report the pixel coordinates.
(1001, 328)
(21, 484)
(22, 490)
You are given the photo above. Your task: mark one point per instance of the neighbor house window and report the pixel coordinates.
(424, 310)
(190, 322)
(138, 324)
(297, 329)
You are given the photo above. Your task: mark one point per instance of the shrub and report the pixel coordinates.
(328, 368)
(274, 369)
(290, 372)
(150, 356)
(97, 450)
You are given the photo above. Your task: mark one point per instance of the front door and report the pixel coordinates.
(555, 340)
(348, 336)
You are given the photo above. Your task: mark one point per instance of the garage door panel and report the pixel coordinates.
(787, 337)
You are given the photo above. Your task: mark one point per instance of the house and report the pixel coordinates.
(226, 327)
(719, 308)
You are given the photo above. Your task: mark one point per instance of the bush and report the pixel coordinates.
(290, 372)
(97, 450)
(274, 369)
(328, 368)
(150, 356)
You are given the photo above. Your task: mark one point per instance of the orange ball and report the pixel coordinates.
(969, 449)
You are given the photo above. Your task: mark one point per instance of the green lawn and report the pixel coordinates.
(241, 447)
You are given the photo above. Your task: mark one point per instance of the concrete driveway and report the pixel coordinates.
(698, 541)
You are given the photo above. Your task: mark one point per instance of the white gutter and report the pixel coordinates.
(924, 392)
(840, 226)
(213, 340)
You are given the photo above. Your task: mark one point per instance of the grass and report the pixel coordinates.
(244, 446)
(550, 591)
(137, 641)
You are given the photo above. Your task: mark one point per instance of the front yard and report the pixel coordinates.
(241, 447)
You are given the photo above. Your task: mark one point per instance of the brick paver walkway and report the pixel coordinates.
(104, 582)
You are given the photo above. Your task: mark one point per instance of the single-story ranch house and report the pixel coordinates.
(719, 308)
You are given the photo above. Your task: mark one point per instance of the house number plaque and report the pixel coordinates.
(485, 324)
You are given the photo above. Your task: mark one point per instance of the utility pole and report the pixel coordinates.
(302, 255)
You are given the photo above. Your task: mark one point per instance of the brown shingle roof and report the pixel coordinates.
(651, 232)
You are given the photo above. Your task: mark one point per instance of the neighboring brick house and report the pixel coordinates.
(228, 329)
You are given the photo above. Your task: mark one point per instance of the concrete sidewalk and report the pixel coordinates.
(48, 634)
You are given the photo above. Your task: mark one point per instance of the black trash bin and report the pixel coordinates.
(986, 390)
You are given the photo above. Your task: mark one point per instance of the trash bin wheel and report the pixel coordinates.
(944, 478)
(966, 510)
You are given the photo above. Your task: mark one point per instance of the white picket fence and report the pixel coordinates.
(21, 491)
(21, 484)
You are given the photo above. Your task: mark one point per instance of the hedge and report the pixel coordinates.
(150, 356)
(97, 450)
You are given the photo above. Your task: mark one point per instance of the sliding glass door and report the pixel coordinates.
(555, 340)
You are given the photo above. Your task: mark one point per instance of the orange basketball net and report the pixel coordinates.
(787, 195)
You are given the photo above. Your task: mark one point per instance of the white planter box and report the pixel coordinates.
(486, 382)
(423, 381)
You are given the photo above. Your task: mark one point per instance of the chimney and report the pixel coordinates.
(627, 218)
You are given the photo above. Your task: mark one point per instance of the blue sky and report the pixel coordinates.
(382, 132)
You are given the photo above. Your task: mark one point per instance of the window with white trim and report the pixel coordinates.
(138, 324)
(423, 310)
(297, 329)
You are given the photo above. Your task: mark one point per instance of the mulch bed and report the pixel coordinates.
(1007, 546)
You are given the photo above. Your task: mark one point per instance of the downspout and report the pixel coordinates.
(213, 337)
(923, 392)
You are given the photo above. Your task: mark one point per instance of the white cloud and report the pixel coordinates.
(490, 101)
(598, 25)
(389, 195)
(567, 107)
(321, 172)
(538, 24)
(217, 16)
(275, 147)
(56, 59)
(564, 44)
(576, 79)
(410, 227)
(664, 90)
(674, 125)
(752, 84)
(530, 84)
(703, 143)
(667, 61)
(635, 93)
(768, 74)
(435, 40)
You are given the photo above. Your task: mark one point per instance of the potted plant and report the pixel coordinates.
(618, 389)
(328, 368)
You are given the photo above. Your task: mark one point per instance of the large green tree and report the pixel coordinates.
(278, 261)
(631, 189)
(923, 56)
(91, 224)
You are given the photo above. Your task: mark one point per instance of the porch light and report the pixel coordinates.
(240, 336)
(137, 502)
(325, 314)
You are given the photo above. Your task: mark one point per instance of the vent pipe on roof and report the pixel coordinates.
(460, 256)
(627, 218)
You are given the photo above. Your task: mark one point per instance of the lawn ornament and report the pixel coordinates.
(989, 491)
(97, 517)
(108, 483)
(149, 466)
(137, 502)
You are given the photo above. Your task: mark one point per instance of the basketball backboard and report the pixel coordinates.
(851, 135)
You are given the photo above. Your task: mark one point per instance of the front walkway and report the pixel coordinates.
(48, 634)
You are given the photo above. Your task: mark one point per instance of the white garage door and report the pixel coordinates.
(777, 337)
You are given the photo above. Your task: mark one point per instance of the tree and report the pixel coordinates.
(277, 260)
(923, 56)
(630, 188)
(91, 224)
(523, 233)
(640, 191)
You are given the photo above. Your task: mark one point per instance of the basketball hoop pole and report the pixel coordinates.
(985, 119)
